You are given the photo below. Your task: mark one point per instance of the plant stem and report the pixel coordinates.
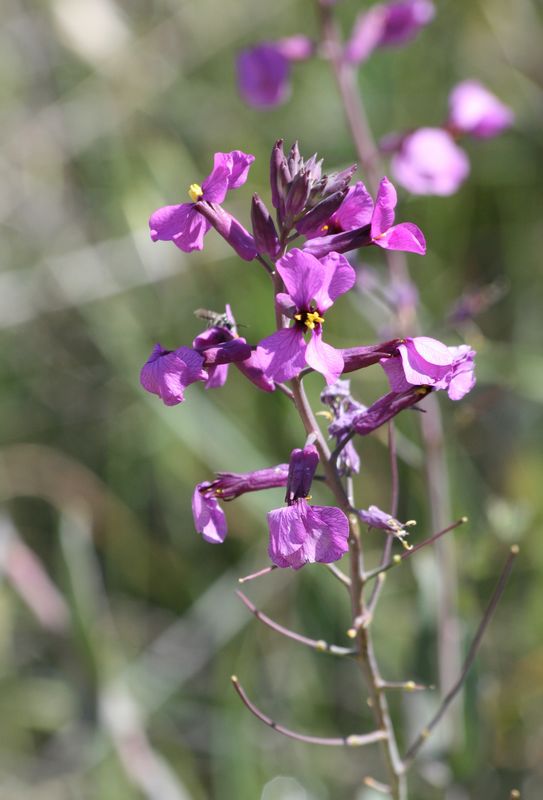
(365, 654)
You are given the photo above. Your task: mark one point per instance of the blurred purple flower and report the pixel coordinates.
(423, 361)
(385, 25)
(167, 373)
(377, 229)
(209, 518)
(475, 110)
(430, 162)
(183, 224)
(312, 286)
(263, 71)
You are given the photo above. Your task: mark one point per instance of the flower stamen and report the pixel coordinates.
(195, 192)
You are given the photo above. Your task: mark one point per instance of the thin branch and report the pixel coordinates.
(354, 740)
(269, 269)
(397, 559)
(286, 391)
(316, 644)
(258, 574)
(337, 452)
(449, 697)
(337, 573)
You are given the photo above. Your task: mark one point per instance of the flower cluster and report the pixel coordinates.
(426, 160)
(333, 217)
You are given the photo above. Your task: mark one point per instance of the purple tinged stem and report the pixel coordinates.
(354, 740)
(316, 644)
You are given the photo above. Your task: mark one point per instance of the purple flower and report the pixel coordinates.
(354, 212)
(183, 224)
(167, 373)
(378, 228)
(312, 286)
(303, 534)
(209, 518)
(342, 407)
(430, 162)
(264, 71)
(385, 25)
(423, 361)
(374, 517)
(475, 110)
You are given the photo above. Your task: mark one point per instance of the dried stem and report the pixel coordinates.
(316, 644)
(451, 694)
(354, 740)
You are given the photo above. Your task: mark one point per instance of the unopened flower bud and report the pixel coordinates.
(264, 232)
(301, 469)
(321, 213)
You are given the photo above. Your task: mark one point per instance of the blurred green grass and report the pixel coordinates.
(120, 689)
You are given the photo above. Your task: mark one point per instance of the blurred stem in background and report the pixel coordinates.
(437, 478)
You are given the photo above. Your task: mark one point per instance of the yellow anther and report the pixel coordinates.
(195, 192)
(325, 228)
(410, 523)
(298, 317)
(311, 319)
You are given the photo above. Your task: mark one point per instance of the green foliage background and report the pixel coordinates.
(108, 111)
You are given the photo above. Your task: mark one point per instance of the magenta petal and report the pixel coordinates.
(396, 376)
(301, 534)
(209, 518)
(303, 276)
(405, 236)
(367, 32)
(218, 374)
(215, 186)
(425, 360)
(295, 48)
(283, 354)
(383, 213)
(339, 277)
(324, 358)
(254, 368)
(191, 237)
(356, 210)
(430, 162)
(167, 374)
(239, 170)
(170, 221)
(263, 76)
(475, 110)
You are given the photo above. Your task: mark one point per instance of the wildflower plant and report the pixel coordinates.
(306, 247)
